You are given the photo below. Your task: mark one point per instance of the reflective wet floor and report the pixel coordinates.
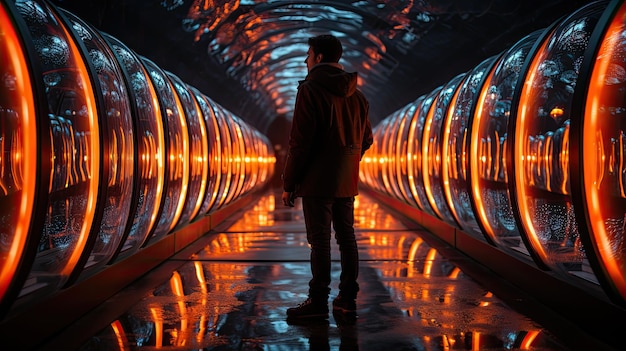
(231, 289)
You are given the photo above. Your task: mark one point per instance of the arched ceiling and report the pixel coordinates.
(248, 55)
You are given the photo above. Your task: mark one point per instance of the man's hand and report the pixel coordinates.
(288, 198)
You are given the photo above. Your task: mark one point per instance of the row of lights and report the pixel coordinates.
(525, 151)
(103, 153)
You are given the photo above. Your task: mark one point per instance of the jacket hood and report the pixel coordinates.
(334, 79)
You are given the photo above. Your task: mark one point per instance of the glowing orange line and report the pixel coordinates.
(29, 161)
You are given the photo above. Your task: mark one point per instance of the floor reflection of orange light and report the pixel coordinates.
(428, 265)
(176, 284)
(223, 242)
(413, 249)
(528, 339)
(445, 343)
(118, 330)
(215, 245)
(203, 288)
(454, 273)
(158, 327)
(475, 341)
(241, 243)
(400, 245)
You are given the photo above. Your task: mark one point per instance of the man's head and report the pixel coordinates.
(323, 48)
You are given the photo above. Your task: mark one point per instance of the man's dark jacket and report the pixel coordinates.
(329, 134)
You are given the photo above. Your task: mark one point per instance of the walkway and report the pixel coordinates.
(230, 291)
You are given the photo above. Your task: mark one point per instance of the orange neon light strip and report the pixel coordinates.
(215, 151)
(24, 91)
(160, 152)
(426, 159)
(412, 157)
(203, 159)
(594, 161)
(528, 340)
(521, 132)
(446, 155)
(183, 160)
(94, 155)
(120, 335)
(475, 165)
(401, 160)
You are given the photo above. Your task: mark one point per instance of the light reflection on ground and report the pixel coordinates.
(233, 295)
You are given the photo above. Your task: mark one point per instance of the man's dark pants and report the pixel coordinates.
(319, 213)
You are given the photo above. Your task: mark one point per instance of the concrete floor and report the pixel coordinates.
(231, 289)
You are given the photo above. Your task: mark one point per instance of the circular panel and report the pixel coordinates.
(402, 155)
(75, 154)
(150, 151)
(214, 155)
(369, 167)
(603, 150)
(415, 148)
(488, 159)
(392, 153)
(541, 147)
(19, 146)
(455, 150)
(225, 157)
(176, 154)
(432, 146)
(198, 150)
(384, 159)
(118, 143)
(239, 150)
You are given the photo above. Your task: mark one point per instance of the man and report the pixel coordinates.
(329, 134)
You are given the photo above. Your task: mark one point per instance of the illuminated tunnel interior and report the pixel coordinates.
(130, 128)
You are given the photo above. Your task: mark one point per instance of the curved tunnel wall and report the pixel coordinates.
(104, 154)
(525, 152)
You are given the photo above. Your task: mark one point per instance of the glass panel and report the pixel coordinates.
(267, 158)
(541, 148)
(75, 153)
(402, 156)
(19, 146)
(250, 158)
(392, 154)
(383, 156)
(198, 150)
(116, 120)
(177, 151)
(416, 138)
(239, 171)
(456, 148)
(226, 156)
(604, 153)
(432, 146)
(488, 156)
(150, 175)
(367, 174)
(214, 151)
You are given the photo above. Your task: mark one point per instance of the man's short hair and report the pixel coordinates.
(327, 45)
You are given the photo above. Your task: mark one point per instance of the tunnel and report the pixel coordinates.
(131, 131)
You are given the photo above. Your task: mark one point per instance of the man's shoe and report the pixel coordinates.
(308, 309)
(345, 305)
